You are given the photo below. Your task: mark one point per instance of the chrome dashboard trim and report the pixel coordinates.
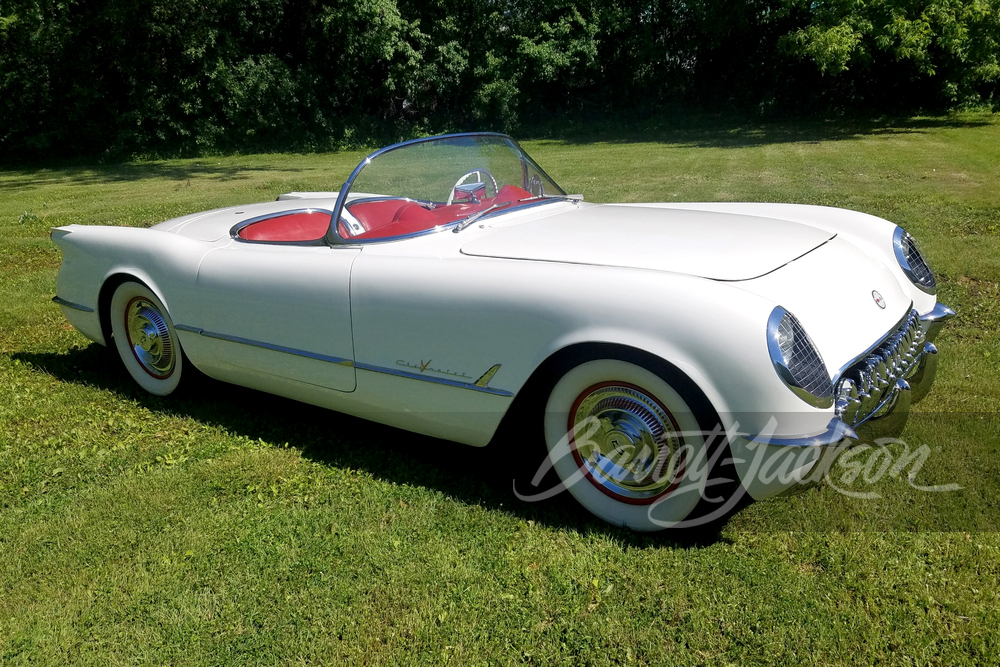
(69, 304)
(836, 432)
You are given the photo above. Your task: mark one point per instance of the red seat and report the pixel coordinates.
(303, 226)
(378, 213)
(411, 217)
(381, 218)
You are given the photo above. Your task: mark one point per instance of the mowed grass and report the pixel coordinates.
(224, 526)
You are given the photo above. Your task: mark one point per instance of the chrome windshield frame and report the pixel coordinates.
(333, 236)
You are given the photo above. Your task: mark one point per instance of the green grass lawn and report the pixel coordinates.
(227, 527)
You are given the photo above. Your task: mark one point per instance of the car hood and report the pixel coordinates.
(719, 246)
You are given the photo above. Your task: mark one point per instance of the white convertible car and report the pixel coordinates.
(450, 284)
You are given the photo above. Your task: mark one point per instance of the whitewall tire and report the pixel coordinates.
(146, 339)
(625, 443)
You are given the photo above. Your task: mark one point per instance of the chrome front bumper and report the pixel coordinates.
(874, 393)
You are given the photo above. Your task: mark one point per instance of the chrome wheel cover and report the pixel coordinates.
(635, 455)
(149, 338)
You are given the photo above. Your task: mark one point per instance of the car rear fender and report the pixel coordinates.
(97, 258)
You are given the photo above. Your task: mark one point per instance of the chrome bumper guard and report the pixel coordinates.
(897, 372)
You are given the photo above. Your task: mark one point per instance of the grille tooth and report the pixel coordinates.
(874, 376)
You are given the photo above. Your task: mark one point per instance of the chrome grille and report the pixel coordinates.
(868, 388)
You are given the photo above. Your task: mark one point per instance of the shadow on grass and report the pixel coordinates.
(136, 171)
(476, 476)
(700, 132)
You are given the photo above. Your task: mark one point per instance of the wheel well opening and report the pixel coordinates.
(104, 302)
(541, 381)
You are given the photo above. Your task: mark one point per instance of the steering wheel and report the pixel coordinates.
(479, 174)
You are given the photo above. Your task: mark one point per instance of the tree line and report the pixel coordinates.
(128, 77)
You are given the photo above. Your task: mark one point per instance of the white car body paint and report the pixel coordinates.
(693, 284)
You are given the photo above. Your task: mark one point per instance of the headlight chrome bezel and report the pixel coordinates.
(803, 370)
(912, 261)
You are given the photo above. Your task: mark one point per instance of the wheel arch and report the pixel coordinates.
(108, 286)
(541, 380)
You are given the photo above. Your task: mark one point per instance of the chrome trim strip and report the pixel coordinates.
(451, 383)
(344, 362)
(485, 378)
(267, 346)
(835, 433)
(69, 304)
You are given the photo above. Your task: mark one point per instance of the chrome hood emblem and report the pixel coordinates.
(879, 300)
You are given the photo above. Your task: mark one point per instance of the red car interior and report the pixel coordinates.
(381, 218)
(302, 226)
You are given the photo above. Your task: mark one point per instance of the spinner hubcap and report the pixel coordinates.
(626, 442)
(149, 338)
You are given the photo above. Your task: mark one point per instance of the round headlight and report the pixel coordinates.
(912, 261)
(796, 359)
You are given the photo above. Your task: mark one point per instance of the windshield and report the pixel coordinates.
(431, 184)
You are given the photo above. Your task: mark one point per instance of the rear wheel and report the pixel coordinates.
(627, 444)
(146, 339)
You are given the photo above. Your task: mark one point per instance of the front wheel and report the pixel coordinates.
(627, 444)
(146, 339)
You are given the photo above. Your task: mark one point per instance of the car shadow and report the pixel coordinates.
(484, 477)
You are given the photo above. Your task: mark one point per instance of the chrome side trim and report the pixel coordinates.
(417, 376)
(835, 433)
(485, 378)
(267, 346)
(69, 304)
(345, 362)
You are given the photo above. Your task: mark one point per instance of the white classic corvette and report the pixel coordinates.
(450, 283)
